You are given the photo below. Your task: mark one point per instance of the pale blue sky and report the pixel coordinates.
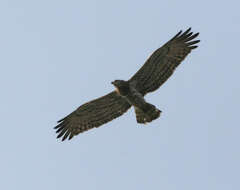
(56, 55)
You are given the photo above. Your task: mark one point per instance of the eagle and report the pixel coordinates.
(156, 70)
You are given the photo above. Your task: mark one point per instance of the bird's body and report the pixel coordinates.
(127, 90)
(156, 70)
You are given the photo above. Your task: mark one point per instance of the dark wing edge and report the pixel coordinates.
(162, 63)
(92, 114)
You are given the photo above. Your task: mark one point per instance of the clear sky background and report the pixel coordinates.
(56, 55)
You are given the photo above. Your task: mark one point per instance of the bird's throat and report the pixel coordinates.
(117, 90)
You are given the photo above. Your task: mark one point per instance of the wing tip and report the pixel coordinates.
(187, 38)
(59, 135)
(177, 35)
(188, 30)
(187, 35)
(66, 134)
(193, 47)
(62, 131)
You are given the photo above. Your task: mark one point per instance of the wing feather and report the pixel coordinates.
(162, 63)
(92, 114)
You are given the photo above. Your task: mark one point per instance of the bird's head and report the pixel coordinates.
(119, 83)
(121, 86)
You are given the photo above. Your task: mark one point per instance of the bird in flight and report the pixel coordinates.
(156, 70)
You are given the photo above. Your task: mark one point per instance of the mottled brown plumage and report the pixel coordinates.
(92, 114)
(161, 64)
(156, 70)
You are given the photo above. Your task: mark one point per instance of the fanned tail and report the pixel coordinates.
(149, 114)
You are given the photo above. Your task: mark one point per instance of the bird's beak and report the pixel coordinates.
(113, 82)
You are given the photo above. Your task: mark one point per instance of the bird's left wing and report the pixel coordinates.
(162, 63)
(92, 114)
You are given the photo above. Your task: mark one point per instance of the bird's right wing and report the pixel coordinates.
(162, 63)
(92, 114)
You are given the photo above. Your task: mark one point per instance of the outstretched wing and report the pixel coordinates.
(161, 64)
(92, 114)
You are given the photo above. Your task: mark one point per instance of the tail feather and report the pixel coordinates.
(149, 114)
